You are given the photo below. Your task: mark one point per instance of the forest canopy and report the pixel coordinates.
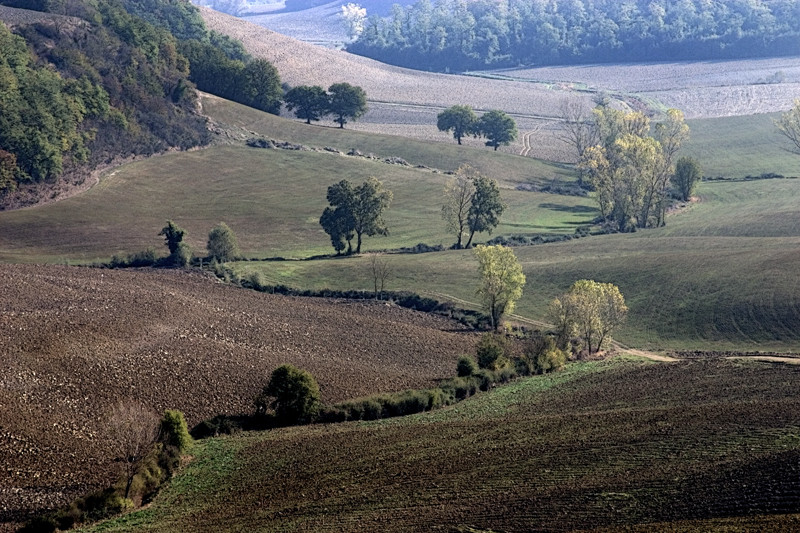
(457, 35)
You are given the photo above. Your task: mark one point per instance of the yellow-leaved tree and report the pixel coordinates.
(591, 310)
(502, 280)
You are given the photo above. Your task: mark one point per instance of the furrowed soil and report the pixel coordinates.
(76, 340)
(607, 444)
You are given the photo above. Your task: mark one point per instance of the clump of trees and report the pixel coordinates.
(355, 211)
(589, 310)
(496, 126)
(472, 204)
(501, 281)
(180, 254)
(630, 169)
(311, 102)
(292, 395)
(455, 35)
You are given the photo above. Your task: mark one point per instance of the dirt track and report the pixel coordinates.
(76, 340)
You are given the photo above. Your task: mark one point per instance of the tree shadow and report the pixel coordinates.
(577, 209)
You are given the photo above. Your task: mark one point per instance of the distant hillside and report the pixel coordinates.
(84, 339)
(84, 90)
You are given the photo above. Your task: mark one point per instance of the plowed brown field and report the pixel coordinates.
(74, 341)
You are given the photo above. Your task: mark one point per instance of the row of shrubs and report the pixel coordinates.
(157, 467)
(292, 395)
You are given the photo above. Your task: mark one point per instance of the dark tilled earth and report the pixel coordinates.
(74, 341)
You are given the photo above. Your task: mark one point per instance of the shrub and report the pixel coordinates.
(182, 256)
(544, 355)
(466, 366)
(137, 259)
(174, 431)
(222, 244)
(491, 351)
(296, 395)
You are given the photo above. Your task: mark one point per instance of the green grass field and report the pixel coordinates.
(603, 444)
(720, 275)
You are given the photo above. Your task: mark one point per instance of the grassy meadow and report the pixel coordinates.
(634, 446)
(720, 275)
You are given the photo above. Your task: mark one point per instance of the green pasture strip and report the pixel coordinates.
(509, 170)
(721, 275)
(617, 442)
(272, 199)
(735, 147)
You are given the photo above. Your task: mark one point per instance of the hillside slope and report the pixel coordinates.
(608, 444)
(78, 340)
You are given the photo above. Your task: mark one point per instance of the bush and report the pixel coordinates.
(174, 431)
(296, 396)
(144, 258)
(466, 366)
(491, 351)
(182, 256)
(543, 354)
(222, 244)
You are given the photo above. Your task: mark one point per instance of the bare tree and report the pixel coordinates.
(380, 273)
(458, 195)
(579, 129)
(789, 126)
(133, 429)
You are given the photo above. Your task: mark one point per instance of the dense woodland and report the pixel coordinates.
(116, 78)
(457, 35)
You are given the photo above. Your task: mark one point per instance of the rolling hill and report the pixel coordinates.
(79, 340)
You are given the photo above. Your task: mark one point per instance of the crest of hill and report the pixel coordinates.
(13, 16)
(85, 339)
(301, 63)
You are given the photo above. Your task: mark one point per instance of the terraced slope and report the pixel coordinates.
(608, 444)
(77, 340)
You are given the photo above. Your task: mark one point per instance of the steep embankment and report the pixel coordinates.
(76, 341)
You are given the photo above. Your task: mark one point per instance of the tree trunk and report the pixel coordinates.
(496, 146)
(469, 242)
(358, 244)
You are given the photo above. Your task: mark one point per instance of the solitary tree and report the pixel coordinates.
(379, 268)
(355, 212)
(485, 207)
(346, 102)
(132, 431)
(497, 127)
(222, 244)
(789, 125)
(687, 175)
(459, 118)
(458, 195)
(292, 393)
(370, 203)
(338, 224)
(502, 280)
(308, 102)
(591, 309)
(179, 252)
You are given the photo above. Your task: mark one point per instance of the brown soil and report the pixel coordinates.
(77, 340)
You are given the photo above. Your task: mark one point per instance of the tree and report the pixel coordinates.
(261, 87)
(458, 195)
(308, 102)
(179, 252)
(296, 395)
(338, 224)
(502, 280)
(222, 244)
(355, 211)
(485, 208)
(579, 130)
(132, 431)
(346, 102)
(498, 128)
(591, 309)
(379, 268)
(459, 118)
(687, 175)
(789, 125)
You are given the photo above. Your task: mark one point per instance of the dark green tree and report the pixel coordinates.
(337, 220)
(179, 252)
(262, 86)
(498, 128)
(307, 102)
(687, 175)
(459, 118)
(355, 211)
(292, 393)
(486, 208)
(346, 102)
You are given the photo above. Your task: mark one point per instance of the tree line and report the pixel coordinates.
(456, 35)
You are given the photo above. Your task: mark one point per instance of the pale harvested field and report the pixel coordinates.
(301, 63)
(699, 88)
(319, 25)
